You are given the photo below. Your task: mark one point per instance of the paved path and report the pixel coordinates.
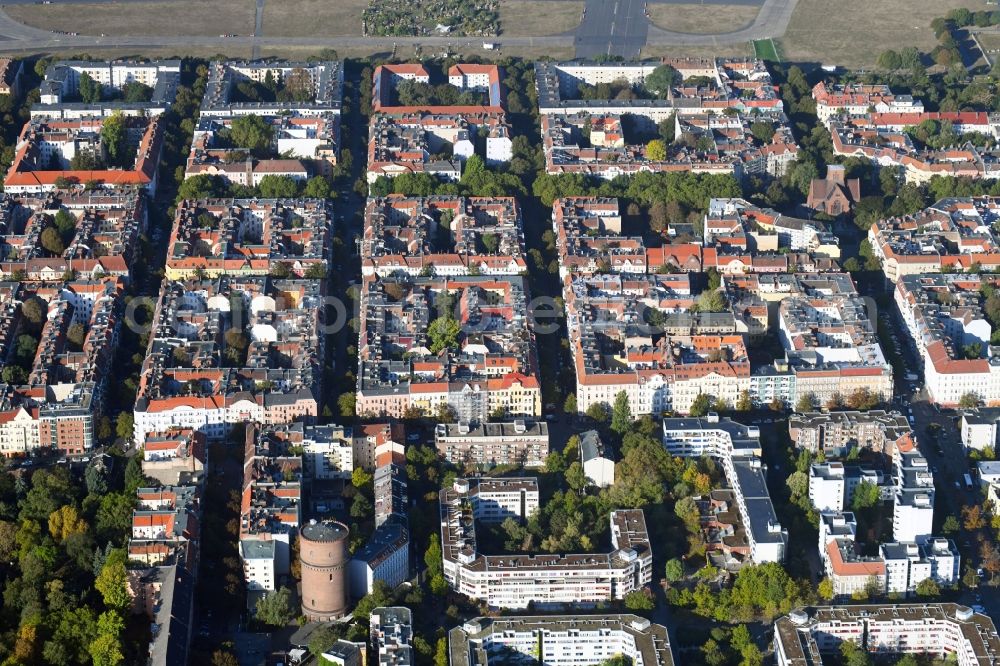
(612, 27)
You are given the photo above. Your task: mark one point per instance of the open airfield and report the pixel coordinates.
(803, 30)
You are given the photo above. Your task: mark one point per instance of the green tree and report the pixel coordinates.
(853, 655)
(346, 404)
(825, 589)
(762, 130)
(711, 301)
(866, 495)
(443, 333)
(656, 150)
(638, 600)
(968, 400)
(576, 479)
(700, 405)
(90, 90)
(598, 411)
(928, 587)
(275, 608)
(441, 653)
(201, 186)
(252, 133)
(662, 79)
(569, 407)
(51, 241)
(674, 570)
(380, 596)
(273, 186)
(317, 187)
(112, 581)
(432, 556)
(744, 403)
(889, 59)
(125, 425)
(114, 139)
(361, 479)
(806, 403)
(621, 414)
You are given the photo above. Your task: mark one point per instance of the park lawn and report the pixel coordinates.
(853, 32)
(313, 18)
(537, 18)
(700, 18)
(176, 17)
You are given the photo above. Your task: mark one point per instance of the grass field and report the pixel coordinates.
(697, 18)
(313, 18)
(528, 18)
(766, 50)
(853, 32)
(176, 17)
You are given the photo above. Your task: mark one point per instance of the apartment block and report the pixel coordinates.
(836, 433)
(385, 557)
(737, 448)
(442, 235)
(858, 100)
(392, 635)
(464, 76)
(565, 640)
(165, 522)
(45, 152)
(514, 581)
(391, 498)
(232, 350)
(807, 635)
(104, 242)
(950, 235)
(60, 89)
(522, 442)
(909, 564)
(946, 322)
(979, 427)
(826, 486)
(736, 224)
(490, 368)
(174, 456)
(317, 88)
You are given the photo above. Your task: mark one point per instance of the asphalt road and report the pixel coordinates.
(612, 27)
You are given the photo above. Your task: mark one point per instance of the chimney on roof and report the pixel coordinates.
(835, 173)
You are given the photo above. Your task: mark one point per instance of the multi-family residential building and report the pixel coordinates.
(105, 241)
(232, 350)
(851, 573)
(737, 448)
(442, 235)
(242, 237)
(988, 472)
(712, 114)
(391, 498)
(47, 150)
(856, 99)
(414, 142)
(951, 235)
(466, 77)
(835, 525)
(377, 443)
(317, 88)
(945, 630)
(164, 523)
(56, 402)
(913, 504)
(826, 486)
(561, 640)
(979, 427)
(909, 564)
(385, 557)
(597, 459)
(165, 595)
(174, 456)
(62, 84)
(392, 635)
(270, 508)
(946, 322)
(300, 146)
(736, 225)
(489, 368)
(522, 442)
(10, 76)
(836, 433)
(515, 581)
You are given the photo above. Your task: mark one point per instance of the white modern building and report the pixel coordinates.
(737, 448)
(385, 557)
(258, 557)
(806, 635)
(913, 508)
(826, 486)
(979, 428)
(560, 640)
(909, 564)
(328, 452)
(556, 580)
(596, 459)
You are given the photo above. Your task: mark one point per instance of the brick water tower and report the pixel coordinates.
(323, 555)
